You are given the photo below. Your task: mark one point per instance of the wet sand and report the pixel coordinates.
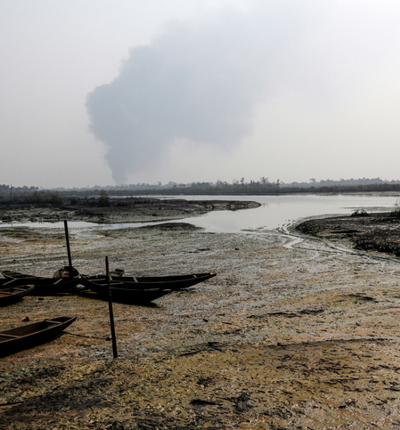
(294, 332)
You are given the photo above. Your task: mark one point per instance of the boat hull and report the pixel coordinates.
(28, 336)
(179, 282)
(123, 294)
(10, 295)
(43, 286)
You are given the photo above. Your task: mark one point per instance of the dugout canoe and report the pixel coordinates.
(61, 282)
(121, 292)
(5, 283)
(28, 336)
(177, 282)
(9, 295)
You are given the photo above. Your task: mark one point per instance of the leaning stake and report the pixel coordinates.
(68, 249)
(114, 340)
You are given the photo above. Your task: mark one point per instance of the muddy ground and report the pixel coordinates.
(378, 232)
(117, 210)
(294, 332)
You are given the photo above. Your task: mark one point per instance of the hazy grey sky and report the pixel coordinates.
(101, 92)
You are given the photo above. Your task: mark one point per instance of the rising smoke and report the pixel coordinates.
(197, 81)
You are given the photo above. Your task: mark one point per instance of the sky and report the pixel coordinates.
(101, 92)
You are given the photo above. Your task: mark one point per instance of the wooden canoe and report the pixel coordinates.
(28, 336)
(6, 282)
(120, 292)
(43, 285)
(177, 282)
(9, 295)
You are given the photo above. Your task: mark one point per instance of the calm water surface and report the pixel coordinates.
(279, 211)
(275, 212)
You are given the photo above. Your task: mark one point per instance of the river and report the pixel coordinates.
(275, 212)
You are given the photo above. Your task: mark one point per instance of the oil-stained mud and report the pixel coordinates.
(284, 337)
(368, 232)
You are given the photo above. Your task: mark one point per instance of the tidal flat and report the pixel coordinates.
(294, 332)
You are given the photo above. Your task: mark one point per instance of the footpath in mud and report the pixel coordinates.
(294, 332)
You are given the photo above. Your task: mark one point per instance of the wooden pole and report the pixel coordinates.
(68, 249)
(110, 308)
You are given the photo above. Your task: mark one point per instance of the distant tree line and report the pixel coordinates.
(34, 195)
(259, 188)
(8, 192)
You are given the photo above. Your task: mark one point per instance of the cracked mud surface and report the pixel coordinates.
(292, 333)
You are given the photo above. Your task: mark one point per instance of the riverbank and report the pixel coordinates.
(293, 332)
(379, 232)
(118, 210)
